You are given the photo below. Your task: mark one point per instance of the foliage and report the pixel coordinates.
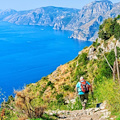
(46, 117)
(110, 92)
(23, 103)
(50, 84)
(75, 106)
(83, 58)
(78, 73)
(105, 69)
(118, 118)
(68, 88)
(96, 44)
(100, 50)
(59, 98)
(45, 78)
(109, 28)
(85, 47)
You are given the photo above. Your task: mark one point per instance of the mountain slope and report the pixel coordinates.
(89, 31)
(42, 16)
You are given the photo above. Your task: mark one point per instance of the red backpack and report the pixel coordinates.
(84, 87)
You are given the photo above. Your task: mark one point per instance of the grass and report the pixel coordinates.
(46, 117)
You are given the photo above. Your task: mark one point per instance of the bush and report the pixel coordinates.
(85, 47)
(83, 58)
(50, 84)
(45, 78)
(59, 96)
(76, 106)
(110, 92)
(109, 28)
(60, 99)
(68, 88)
(105, 69)
(78, 73)
(100, 50)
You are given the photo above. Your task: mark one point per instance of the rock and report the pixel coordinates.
(118, 43)
(99, 40)
(111, 46)
(96, 109)
(70, 101)
(91, 51)
(91, 54)
(103, 105)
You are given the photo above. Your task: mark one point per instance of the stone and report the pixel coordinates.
(103, 105)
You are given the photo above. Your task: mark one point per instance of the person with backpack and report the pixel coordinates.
(82, 89)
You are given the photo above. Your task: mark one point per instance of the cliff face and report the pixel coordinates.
(41, 16)
(84, 23)
(93, 16)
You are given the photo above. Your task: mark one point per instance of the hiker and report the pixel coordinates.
(82, 89)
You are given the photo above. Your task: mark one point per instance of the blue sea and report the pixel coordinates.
(28, 53)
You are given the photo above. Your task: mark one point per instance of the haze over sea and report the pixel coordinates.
(28, 53)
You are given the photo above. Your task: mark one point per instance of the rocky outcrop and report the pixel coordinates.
(103, 47)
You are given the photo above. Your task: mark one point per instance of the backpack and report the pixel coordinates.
(84, 87)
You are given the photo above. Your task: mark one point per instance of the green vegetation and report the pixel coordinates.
(109, 28)
(96, 44)
(46, 117)
(110, 92)
(68, 88)
(83, 58)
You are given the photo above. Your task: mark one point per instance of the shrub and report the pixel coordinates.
(59, 96)
(68, 88)
(50, 84)
(23, 103)
(78, 73)
(98, 44)
(45, 78)
(105, 69)
(109, 28)
(100, 50)
(85, 47)
(60, 99)
(83, 58)
(94, 44)
(110, 92)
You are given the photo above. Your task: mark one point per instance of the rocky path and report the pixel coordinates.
(89, 114)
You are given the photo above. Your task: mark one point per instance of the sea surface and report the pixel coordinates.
(28, 53)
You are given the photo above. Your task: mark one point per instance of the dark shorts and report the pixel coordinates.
(83, 98)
